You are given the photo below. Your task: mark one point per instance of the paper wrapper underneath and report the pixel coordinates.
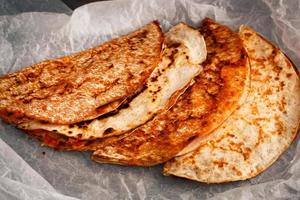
(31, 37)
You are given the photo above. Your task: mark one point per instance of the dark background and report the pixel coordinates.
(76, 3)
(12, 7)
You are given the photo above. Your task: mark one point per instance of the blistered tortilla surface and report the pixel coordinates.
(184, 51)
(76, 87)
(260, 131)
(218, 91)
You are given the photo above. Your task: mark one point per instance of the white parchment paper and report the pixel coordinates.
(28, 173)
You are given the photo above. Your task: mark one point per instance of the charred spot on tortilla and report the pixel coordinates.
(125, 105)
(83, 123)
(162, 89)
(83, 82)
(173, 45)
(205, 105)
(44, 121)
(269, 119)
(108, 131)
(9, 114)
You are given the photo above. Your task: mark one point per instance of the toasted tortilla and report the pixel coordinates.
(218, 91)
(183, 53)
(84, 85)
(260, 131)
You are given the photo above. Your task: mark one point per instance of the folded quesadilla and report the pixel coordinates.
(218, 91)
(184, 51)
(257, 133)
(84, 85)
(217, 106)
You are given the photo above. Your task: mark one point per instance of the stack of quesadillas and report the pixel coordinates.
(213, 104)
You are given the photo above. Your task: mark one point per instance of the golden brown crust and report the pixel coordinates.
(70, 89)
(12, 117)
(166, 84)
(202, 108)
(61, 142)
(260, 131)
(179, 64)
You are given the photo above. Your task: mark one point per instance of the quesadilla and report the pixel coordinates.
(218, 91)
(184, 51)
(260, 131)
(84, 85)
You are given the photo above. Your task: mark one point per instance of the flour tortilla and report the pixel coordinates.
(218, 91)
(83, 85)
(183, 53)
(256, 134)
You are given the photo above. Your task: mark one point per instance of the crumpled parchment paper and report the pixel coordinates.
(29, 171)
